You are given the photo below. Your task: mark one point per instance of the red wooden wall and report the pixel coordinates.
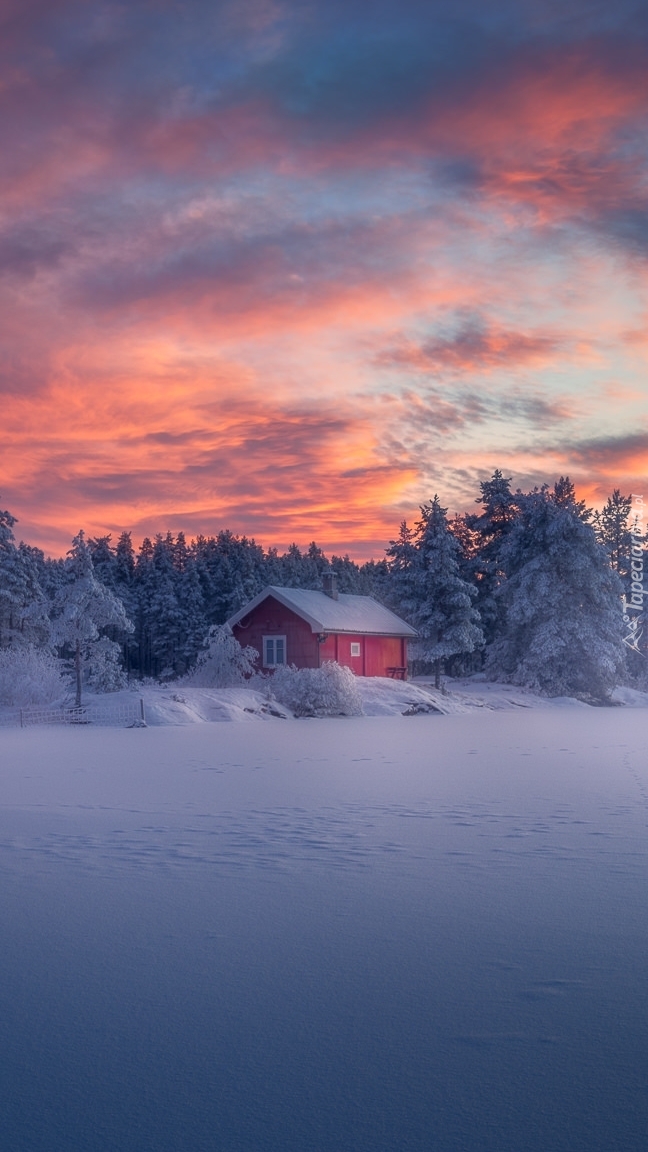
(377, 653)
(271, 619)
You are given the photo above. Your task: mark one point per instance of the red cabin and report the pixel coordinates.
(302, 627)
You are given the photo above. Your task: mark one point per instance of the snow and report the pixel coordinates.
(203, 705)
(183, 703)
(630, 697)
(368, 933)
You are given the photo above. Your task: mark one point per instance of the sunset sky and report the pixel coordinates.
(292, 268)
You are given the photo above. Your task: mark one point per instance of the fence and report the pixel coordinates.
(122, 715)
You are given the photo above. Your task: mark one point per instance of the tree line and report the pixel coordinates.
(528, 587)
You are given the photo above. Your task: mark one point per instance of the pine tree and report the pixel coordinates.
(292, 568)
(402, 589)
(23, 605)
(468, 540)
(194, 626)
(613, 531)
(231, 571)
(564, 495)
(126, 591)
(82, 607)
(373, 579)
(348, 575)
(444, 616)
(315, 565)
(104, 561)
(561, 601)
(164, 615)
(491, 528)
(143, 586)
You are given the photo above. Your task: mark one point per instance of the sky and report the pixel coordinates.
(293, 268)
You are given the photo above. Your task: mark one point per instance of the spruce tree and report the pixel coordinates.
(125, 590)
(194, 626)
(490, 527)
(104, 560)
(444, 616)
(293, 573)
(348, 575)
(564, 495)
(23, 605)
(315, 565)
(82, 607)
(561, 601)
(402, 587)
(164, 614)
(612, 527)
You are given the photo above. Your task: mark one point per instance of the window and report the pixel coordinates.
(355, 648)
(274, 651)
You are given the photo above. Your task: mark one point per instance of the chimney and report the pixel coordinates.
(329, 585)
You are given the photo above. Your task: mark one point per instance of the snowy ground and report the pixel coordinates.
(355, 935)
(179, 704)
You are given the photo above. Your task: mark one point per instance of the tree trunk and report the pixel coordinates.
(437, 673)
(77, 669)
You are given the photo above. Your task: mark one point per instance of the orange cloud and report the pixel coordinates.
(224, 312)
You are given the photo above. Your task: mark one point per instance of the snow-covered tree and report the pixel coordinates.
(231, 571)
(331, 690)
(613, 531)
(444, 615)
(193, 620)
(561, 600)
(125, 590)
(81, 608)
(564, 495)
(104, 561)
(23, 605)
(164, 614)
(348, 575)
(30, 675)
(490, 527)
(223, 663)
(403, 589)
(103, 667)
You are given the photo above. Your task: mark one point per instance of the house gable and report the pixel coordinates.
(271, 618)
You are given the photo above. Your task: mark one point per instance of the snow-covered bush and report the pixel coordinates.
(223, 663)
(30, 675)
(327, 691)
(103, 666)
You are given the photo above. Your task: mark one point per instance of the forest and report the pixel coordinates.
(534, 588)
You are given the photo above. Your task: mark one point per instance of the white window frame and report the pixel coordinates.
(356, 649)
(272, 663)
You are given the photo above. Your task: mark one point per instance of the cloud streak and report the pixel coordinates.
(278, 267)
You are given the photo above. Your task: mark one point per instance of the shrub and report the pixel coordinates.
(327, 691)
(30, 676)
(223, 663)
(103, 666)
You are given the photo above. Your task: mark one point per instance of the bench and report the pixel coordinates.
(397, 673)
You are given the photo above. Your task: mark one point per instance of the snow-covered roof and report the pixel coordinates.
(359, 615)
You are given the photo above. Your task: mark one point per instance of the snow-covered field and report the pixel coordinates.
(424, 933)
